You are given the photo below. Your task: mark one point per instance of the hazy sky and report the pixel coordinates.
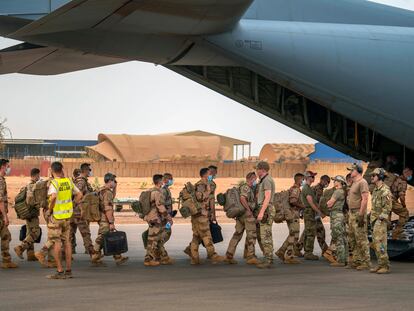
(132, 98)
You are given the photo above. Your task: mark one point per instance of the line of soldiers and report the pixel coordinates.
(347, 207)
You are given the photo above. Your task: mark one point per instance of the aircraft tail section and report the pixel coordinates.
(330, 11)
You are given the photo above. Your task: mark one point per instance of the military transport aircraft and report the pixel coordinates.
(340, 71)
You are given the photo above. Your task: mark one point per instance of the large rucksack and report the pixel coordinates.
(89, 207)
(233, 207)
(143, 206)
(40, 190)
(282, 206)
(189, 206)
(23, 210)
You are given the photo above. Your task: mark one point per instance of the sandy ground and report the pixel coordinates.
(132, 187)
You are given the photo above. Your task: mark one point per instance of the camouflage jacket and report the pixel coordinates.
(158, 212)
(381, 202)
(399, 189)
(248, 193)
(106, 202)
(3, 193)
(294, 198)
(167, 198)
(213, 187)
(203, 195)
(84, 187)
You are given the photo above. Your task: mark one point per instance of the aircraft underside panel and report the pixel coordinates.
(295, 111)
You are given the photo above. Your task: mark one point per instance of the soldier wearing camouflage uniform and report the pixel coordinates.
(167, 201)
(32, 225)
(265, 196)
(107, 221)
(289, 248)
(320, 228)
(5, 235)
(213, 186)
(311, 212)
(76, 222)
(245, 222)
(381, 207)
(336, 206)
(357, 200)
(399, 207)
(200, 222)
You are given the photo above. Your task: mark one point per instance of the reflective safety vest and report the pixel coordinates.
(64, 205)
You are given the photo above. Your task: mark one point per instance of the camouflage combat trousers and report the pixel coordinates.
(339, 236)
(166, 234)
(360, 235)
(403, 214)
(103, 229)
(155, 246)
(320, 236)
(33, 233)
(290, 246)
(5, 237)
(77, 222)
(379, 242)
(350, 240)
(244, 223)
(265, 235)
(201, 233)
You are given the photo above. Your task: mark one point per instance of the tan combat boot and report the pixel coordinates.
(9, 265)
(383, 270)
(230, 260)
(217, 259)
(195, 261)
(310, 256)
(41, 257)
(187, 251)
(151, 263)
(337, 264)
(328, 255)
(19, 251)
(281, 255)
(31, 256)
(375, 269)
(252, 261)
(291, 261)
(363, 267)
(167, 261)
(265, 264)
(121, 260)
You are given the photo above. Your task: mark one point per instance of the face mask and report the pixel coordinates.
(170, 182)
(8, 171)
(210, 178)
(409, 178)
(90, 174)
(303, 183)
(254, 184)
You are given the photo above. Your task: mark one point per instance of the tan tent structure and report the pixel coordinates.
(286, 152)
(144, 148)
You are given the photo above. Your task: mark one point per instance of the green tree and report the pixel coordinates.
(3, 130)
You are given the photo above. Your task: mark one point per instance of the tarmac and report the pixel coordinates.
(308, 286)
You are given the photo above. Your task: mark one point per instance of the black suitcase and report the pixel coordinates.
(23, 234)
(115, 243)
(216, 234)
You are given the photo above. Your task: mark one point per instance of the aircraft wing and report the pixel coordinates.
(191, 17)
(26, 58)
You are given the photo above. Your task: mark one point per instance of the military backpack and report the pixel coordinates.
(40, 190)
(23, 210)
(233, 207)
(282, 206)
(89, 207)
(143, 206)
(189, 206)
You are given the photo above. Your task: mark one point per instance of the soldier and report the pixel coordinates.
(167, 201)
(310, 215)
(381, 207)
(32, 225)
(5, 235)
(289, 248)
(350, 240)
(107, 221)
(61, 191)
(157, 220)
(245, 222)
(336, 206)
(200, 222)
(265, 196)
(81, 182)
(357, 200)
(399, 206)
(213, 186)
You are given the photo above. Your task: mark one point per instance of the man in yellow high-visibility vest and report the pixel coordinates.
(61, 191)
